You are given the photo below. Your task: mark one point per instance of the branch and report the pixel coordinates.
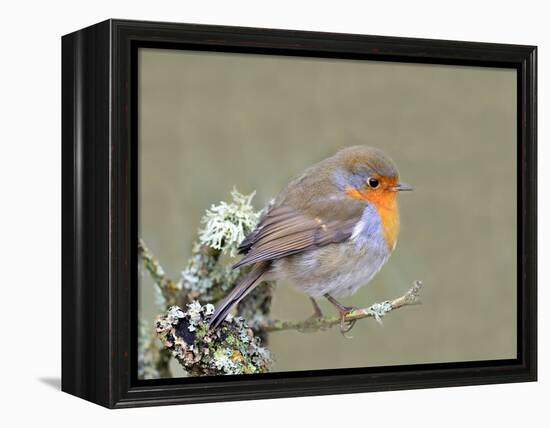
(201, 268)
(231, 349)
(206, 279)
(169, 289)
(376, 311)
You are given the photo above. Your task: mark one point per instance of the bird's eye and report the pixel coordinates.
(373, 182)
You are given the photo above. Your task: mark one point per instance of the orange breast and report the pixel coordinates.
(389, 216)
(386, 205)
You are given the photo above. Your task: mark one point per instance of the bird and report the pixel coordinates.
(328, 233)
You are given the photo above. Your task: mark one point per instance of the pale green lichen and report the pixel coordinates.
(227, 224)
(378, 310)
(204, 273)
(225, 227)
(230, 349)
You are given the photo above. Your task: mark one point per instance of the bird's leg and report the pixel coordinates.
(317, 314)
(344, 310)
(316, 309)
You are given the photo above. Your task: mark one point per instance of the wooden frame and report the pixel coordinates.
(99, 206)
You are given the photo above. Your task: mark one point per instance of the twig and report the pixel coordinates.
(377, 311)
(169, 289)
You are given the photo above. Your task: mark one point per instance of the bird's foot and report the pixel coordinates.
(345, 326)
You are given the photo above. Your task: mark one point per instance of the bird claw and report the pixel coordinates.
(346, 326)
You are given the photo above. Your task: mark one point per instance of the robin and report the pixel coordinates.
(328, 232)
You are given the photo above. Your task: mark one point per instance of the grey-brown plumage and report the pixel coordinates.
(309, 229)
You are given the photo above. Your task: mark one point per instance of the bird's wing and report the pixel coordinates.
(284, 231)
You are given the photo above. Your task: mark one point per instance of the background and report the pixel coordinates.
(30, 226)
(211, 121)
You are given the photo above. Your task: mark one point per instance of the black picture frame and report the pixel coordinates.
(99, 227)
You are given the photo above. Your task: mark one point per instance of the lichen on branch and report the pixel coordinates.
(231, 349)
(208, 275)
(227, 224)
(204, 277)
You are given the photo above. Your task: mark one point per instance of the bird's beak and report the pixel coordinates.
(401, 187)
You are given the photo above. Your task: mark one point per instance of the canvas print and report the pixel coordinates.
(315, 213)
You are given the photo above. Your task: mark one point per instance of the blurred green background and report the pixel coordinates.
(211, 121)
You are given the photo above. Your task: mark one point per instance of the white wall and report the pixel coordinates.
(30, 188)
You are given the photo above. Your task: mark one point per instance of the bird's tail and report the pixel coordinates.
(245, 286)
